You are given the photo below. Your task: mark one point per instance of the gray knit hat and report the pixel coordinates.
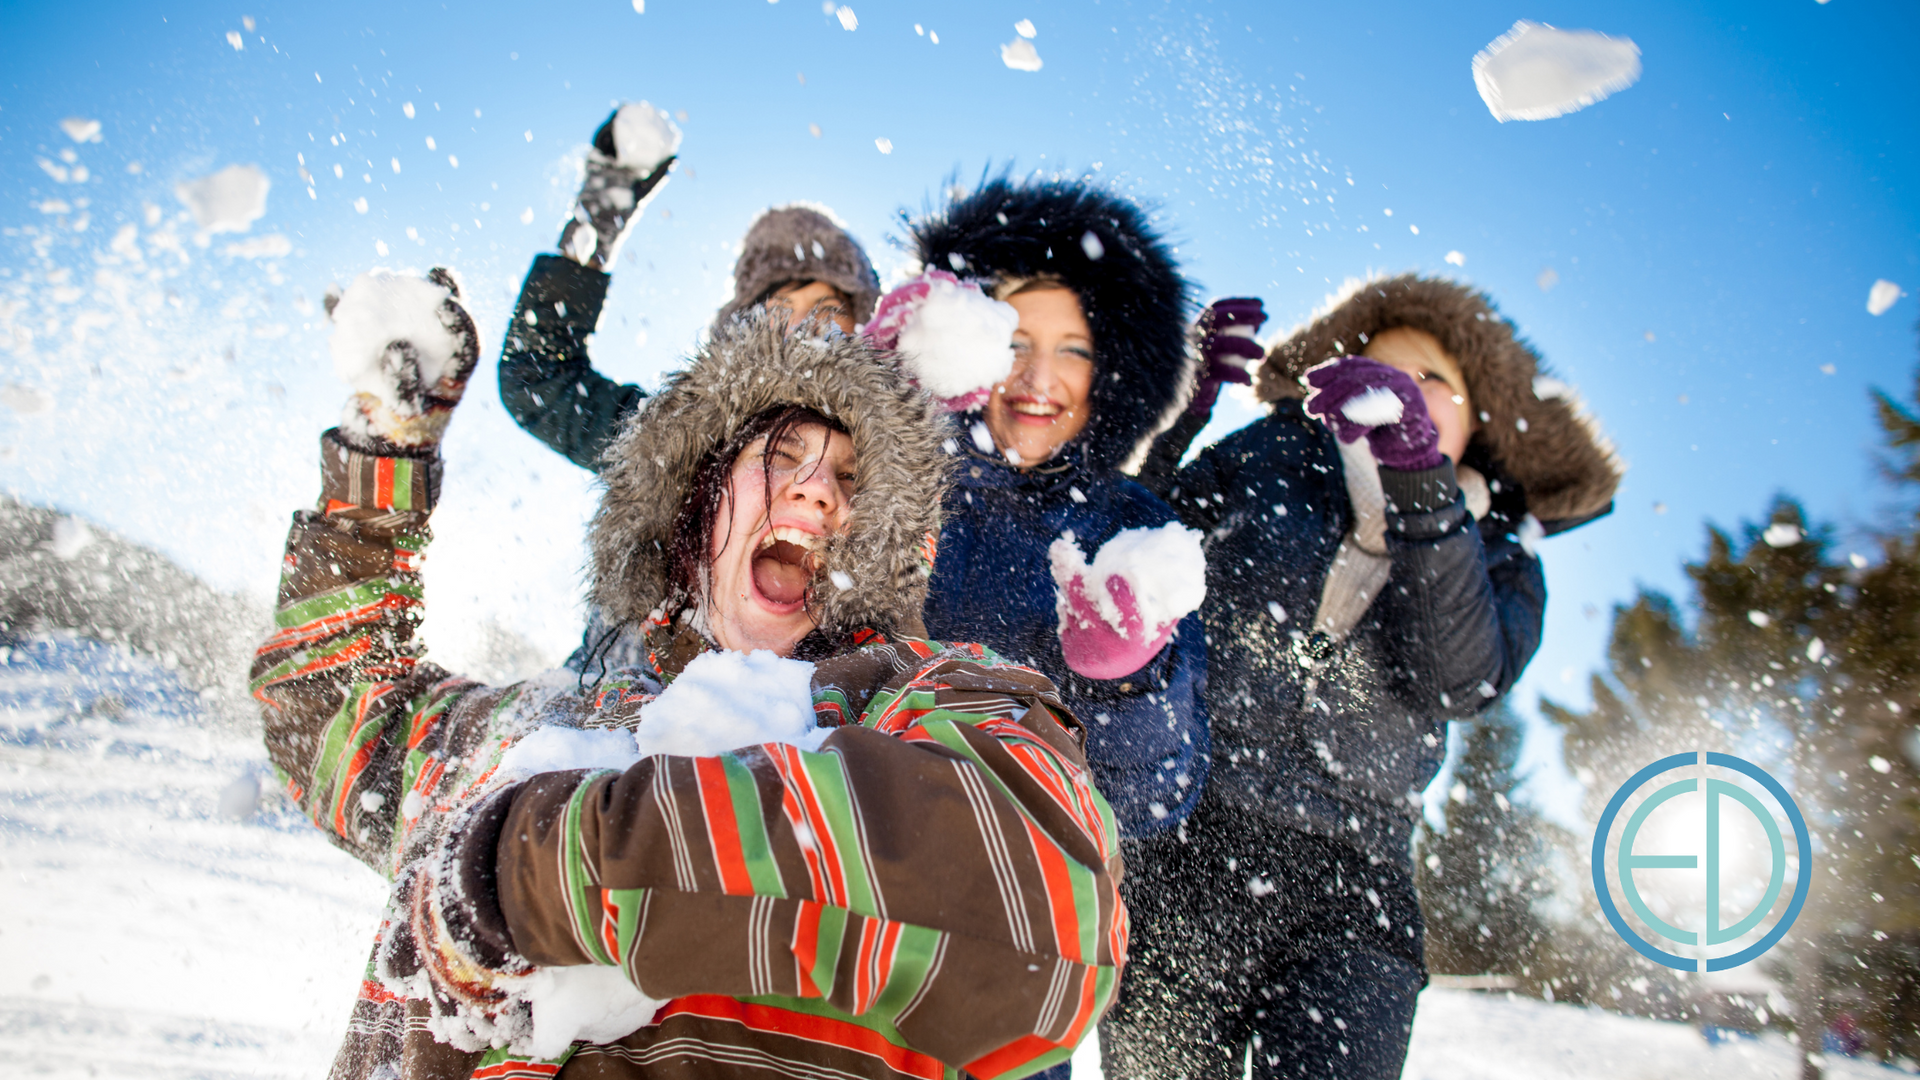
(801, 242)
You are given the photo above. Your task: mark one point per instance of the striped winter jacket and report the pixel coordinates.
(935, 889)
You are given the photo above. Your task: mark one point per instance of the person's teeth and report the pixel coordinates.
(797, 537)
(1035, 409)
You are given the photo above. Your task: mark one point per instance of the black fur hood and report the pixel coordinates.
(1102, 247)
(878, 569)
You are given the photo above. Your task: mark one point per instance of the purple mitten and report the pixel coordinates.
(1227, 347)
(1094, 647)
(1355, 396)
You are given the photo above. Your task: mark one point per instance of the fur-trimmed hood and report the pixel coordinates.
(1101, 246)
(875, 575)
(1532, 426)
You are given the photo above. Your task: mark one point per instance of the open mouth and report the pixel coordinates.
(1035, 407)
(784, 565)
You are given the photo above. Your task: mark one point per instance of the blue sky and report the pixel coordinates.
(1713, 230)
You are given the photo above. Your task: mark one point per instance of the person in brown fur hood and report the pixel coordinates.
(1371, 576)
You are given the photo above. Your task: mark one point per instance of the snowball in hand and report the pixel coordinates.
(725, 700)
(379, 310)
(1536, 72)
(1377, 406)
(589, 1002)
(1165, 568)
(643, 136)
(230, 200)
(956, 341)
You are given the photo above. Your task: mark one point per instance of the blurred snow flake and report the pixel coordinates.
(1456, 259)
(1828, 369)
(1536, 72)
(1782, 534)
(813, 130)
(1024, 28)
(54, 206)
(1882, 296)
(1858, 560)
(25, 400)
(1546, 387)
(230, 200)
(80, 129)
(1548, 279)
(848, 20)
(639, 7)
(885, 146)
(380, 248)
(1090, 243)
(70, 537)
(408, 109)
(1760, 619)
(273, 246)
(1020, 55)
(526, 216)
(233, 39)
(360, 205)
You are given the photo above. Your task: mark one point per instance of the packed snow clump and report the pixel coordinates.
(725, 700)
(1535, 72)
(230, 200)
(643, 136)
(380, 310)
(591, 1002)
(1377, 406)
(1882, 296)
(1020, 55)
(955, 340)
(1164, 568)
(563, 749)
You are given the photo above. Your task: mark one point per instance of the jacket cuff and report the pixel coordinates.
(1420, 491)
(469, 891)
(559, 297)
(385, 478)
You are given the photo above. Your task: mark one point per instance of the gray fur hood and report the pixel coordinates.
(876, 575)
(1532, 428)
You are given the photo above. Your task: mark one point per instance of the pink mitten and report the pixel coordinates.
(1093, 647)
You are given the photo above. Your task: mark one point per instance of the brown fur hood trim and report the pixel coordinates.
(750, 365)
(1532, 425)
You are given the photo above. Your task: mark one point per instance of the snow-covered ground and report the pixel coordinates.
(150, 933)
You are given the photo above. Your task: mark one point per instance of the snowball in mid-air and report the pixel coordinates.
(1020, 55)
(1165, 568)
(80, 129)
(955, 341)
(1882, 296)
(1536, 72)
(379, 309)
(1377, 406)
(643, 136)
(725, 700)
(230, 200)
(1782, 534)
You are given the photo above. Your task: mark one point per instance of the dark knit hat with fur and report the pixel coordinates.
(1100, 246)
(874, 575)
(1531, 426)
(801, 243)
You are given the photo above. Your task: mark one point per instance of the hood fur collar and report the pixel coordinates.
(750, 365)
(1532, 426)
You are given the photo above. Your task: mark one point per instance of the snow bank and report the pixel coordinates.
(1377, 406)
(725, 700)
(230, 200)
(1535, 72)
(643, 136)
(378, 310)
(1165, 568)
(955, 341)
(1882, 296)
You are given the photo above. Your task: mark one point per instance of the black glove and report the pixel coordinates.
(612, 198)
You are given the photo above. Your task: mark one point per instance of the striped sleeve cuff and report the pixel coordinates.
(352, 477)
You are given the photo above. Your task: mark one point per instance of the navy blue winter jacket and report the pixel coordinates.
(1147, 734)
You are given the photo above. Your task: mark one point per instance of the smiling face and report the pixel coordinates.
(780, 505)
(1419, 354)
(803, 300)
(1043, 403)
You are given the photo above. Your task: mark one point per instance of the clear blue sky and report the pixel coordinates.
(1714, 229)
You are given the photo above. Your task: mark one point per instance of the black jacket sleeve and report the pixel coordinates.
(547, 382)
(1462, 622)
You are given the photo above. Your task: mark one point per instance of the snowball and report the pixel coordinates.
(80, 129)
(1782, 534)
(1535, 72)
(230, 200)
(590, 1002)
(848, 20)
(1020, 55)
(275, 246)
(958, 340)
(379, 309)
(643, 136)
(1882, 296)
(561, 749)
(1377, 406)
(1455, 258)
(25, 400)
(1024, 28)
(725, 700)
(1165, 568)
